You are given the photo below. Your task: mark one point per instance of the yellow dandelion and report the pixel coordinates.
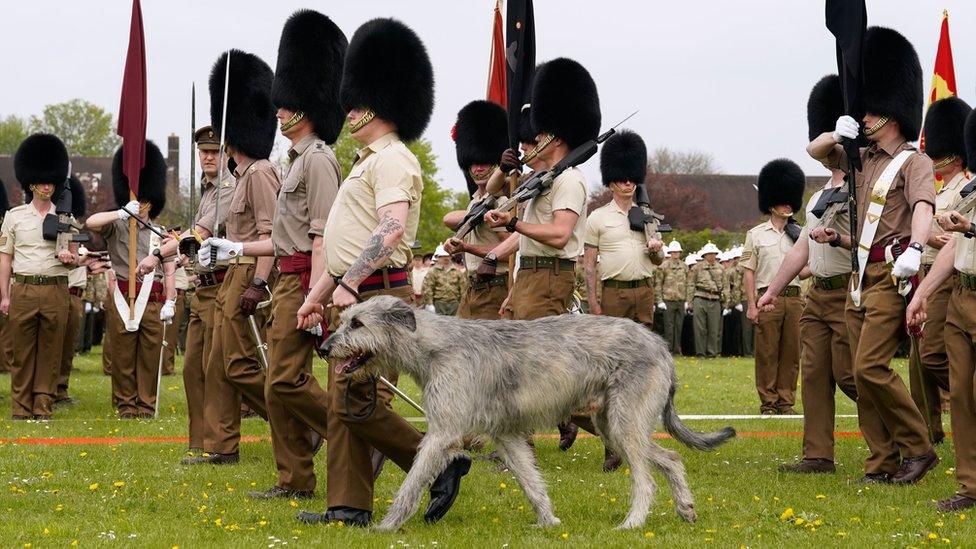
(93, 486)
(46, 532)
(799, 521)
(648, 535)
(932, 535)
(218, 521)
(74, 543)
(755, 498)
(787, 514)
(564, 535)
(842, 534)
(939, 524)
(83, 454)
(293, 503)
(118, 484)
(502, 485)
(821, 496)
(59, 507)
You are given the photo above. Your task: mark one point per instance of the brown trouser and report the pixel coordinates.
(960, 338)
(890, 422)
(6, 350)
(107, 339)
(199, 340)
(636, 304)
(296, 402)
(778, 354)
(36, 321)
(362, 418)
(75, 312)
(135, 360)
(234, 372)
(934, 374)
(173, 336)
(482, 303)
(825, 364)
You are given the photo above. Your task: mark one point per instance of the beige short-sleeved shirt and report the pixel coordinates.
(482, 235)
(764, 251)
(78, 277)
(914, 183)
(116, 235)
(21, 236)
(623, 252)
(180, 279)
(825, 260)
(385, 172)
(205, 210)
(306, 196)
(252, 207)
(965, 260)
(945, 200)
(568, 192)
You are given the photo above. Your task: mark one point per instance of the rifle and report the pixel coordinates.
(643, 218)
(60, 226)
(831, 203)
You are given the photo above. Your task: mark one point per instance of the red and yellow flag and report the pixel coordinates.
(944, 75)
(497, 88)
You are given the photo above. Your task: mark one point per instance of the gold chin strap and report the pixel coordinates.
(366, 119)
(780, 214)
(39, 194)
(874, 129)
(529, 156)
(295, 119)
(487, 175)
(945, 162)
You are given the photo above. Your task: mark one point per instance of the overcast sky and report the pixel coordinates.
(729, 78)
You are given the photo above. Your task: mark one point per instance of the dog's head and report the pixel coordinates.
(369, 335)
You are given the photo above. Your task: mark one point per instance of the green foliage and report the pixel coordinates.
(13, 130)
(692, 241)
(85, 128)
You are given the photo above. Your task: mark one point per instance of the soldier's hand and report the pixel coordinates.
(688, 309)
(916, 314)
(497, 218)
(509, 161)
(147, 265)
(309, 314)
(738, 307)
(168, 310)
(726, 312)
(66, 257)
(453, 246)
(846, 127)
(753, 314)
(250, 299)
(662, 306)
(942, 239)
(595, 307)
(132, 206)
(823, 235)
(655, 245)
(5, 305)
(953, 221)
(486, 269)
(766, 303)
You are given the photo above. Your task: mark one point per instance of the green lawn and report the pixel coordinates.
(135, 494)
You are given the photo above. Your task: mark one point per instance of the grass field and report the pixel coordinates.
(135, 494)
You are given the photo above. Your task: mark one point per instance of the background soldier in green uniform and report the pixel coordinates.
(671, 288)
(706, 292)
(444, 285)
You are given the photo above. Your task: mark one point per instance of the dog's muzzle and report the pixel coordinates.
(352, 363)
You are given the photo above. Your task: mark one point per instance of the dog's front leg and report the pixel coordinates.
(521, 462)
(432, 458)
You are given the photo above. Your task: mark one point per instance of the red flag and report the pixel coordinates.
(132, 107)
(497, 88)
(944, 75)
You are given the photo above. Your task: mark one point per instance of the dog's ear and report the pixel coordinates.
(402, 315)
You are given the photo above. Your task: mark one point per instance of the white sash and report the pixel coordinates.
(879, 196)
(122, 304)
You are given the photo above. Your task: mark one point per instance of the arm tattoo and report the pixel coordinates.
(590, 269)
(376, 252)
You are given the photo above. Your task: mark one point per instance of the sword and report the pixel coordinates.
(221, 160)
(159, 370)
(193, 156)
(262, 346)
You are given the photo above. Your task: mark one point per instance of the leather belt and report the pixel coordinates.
(789, 291)
(243, 260)
(706, 298)
(77, 292)
(383, 279)
(156, 295)
(297, 263)
(205, 280)
(553, 263)
(627, 284)
(835, 282)
(497, 280)
(41, 280)
(967, 281)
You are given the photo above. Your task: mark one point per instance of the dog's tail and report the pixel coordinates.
(677, 429)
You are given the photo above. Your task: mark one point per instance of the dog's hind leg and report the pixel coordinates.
(669, 463)
(432, 457)
(517, 453)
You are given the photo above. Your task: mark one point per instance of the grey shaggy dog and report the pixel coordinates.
(504, 379)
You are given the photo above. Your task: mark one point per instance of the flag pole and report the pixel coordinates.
(133, 243)
(222, 160)
(193, 155)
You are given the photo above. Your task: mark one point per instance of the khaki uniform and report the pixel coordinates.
(182, 282)
(778, 331)
(134, 355)
(626, 269)
(960, 339)
(202, 301)
(443, 288)
(6, 350)
(234, 372)
(361, 416)
(296, 402)
(706, 291)
(826, 357)
(891, 423)
(38, 312)
(483, 299)
(77, 280)
(417, 283)
(671, 286)
(733, 324)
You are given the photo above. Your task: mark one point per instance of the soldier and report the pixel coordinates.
(371, 225)
(671, 288)
(196, 361)
(418, 271)
(826, 356)
(306, 92)
(6, 351)
(34, 298)
(897, 183)
(958, 255)
(443, 285)
(736, 304)
(77, 280)
(181, 281)
(706, 292)
(944, 144)
(137, 332)
(781, 184)
(480, 138)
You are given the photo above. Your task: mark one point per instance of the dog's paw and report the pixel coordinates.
(630, 524)
(386, 526)
(548, 522)
(687, 513)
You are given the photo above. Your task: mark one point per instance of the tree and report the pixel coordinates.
(85, 128)
(13, 130)
(664, 160)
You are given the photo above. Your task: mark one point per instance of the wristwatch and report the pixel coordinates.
(835, 242)
(917, 246)
(510, 226)
(259, 283)
(158, 254)
(490, 256)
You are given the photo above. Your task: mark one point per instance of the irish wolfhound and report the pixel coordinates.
(504, 379)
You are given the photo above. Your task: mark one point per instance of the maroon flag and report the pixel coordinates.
(132, 107)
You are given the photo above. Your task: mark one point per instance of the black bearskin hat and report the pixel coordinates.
(825, 106)
(623, 158)
(970, 133)
(893, 80)
(480, 136)
(42, 158)
(152, 180)
(944, 128)
(251, 117)
(565, 102)
(526, 134)
(79, 201)
(4, 199)
(309, 71)
(388, 71)
(781, 181)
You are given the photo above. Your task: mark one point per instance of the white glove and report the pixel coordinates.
(738, 307)
(725, 312)
(132, 206)
(82, 250)
(907, 263)
(846, 127)
(430, 309)
(662, 306)
(226, 249)
(168, 310)
(88, 307)
(687, 306)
